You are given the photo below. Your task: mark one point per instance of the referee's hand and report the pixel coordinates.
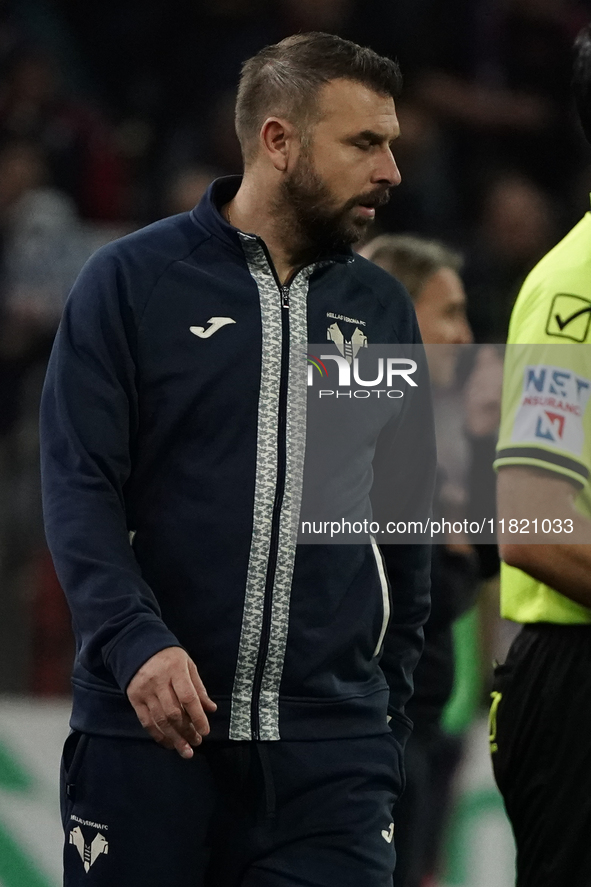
(170, 700)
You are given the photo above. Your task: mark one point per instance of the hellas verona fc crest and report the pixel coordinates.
(89, 852)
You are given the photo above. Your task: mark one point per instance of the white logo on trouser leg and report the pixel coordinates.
(388, 834)
(89, 853)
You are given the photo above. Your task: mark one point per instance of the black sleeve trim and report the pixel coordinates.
(544, 456)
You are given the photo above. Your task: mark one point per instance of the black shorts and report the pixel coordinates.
(274, 814)
(541, 752)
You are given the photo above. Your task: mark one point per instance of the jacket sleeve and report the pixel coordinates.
(404, 471)
(89, 422)
(409, 572)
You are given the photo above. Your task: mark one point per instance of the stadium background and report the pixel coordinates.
(115, 114)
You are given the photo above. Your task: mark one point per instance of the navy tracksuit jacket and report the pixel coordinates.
(172, 471)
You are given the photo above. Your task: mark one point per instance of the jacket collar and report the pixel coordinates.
(208, 214)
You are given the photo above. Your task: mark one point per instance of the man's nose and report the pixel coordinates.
(387, 170)
(463, 333)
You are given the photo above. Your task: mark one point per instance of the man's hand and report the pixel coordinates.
(170, 700)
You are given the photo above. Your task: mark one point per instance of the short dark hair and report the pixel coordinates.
(284, 80)
(413, 260)
(582, 79)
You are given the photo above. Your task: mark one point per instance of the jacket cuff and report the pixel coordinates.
(136, 645)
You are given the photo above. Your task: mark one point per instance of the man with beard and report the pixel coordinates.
(173, 453)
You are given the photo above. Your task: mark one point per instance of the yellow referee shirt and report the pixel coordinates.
(546, 409)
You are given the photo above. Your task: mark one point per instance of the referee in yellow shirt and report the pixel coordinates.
(541, 712)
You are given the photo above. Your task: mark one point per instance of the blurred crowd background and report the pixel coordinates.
(115, 114)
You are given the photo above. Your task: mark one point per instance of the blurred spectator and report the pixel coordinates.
(517, 226)
(205, 142)
(186, 188)
(425, 201)
(22, 168)
(223, 148)
(498, 80)
(44, 244)
(482, 393)
(80, 150)
(45, 249)
(26, 22)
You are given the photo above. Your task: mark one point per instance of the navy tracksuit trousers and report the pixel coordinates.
(238, 814)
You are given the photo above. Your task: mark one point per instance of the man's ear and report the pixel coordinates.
(279, 140)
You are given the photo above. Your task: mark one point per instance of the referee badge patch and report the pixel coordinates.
(552, 407)
(569, 317)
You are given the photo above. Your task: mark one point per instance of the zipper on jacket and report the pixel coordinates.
(278, 501)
